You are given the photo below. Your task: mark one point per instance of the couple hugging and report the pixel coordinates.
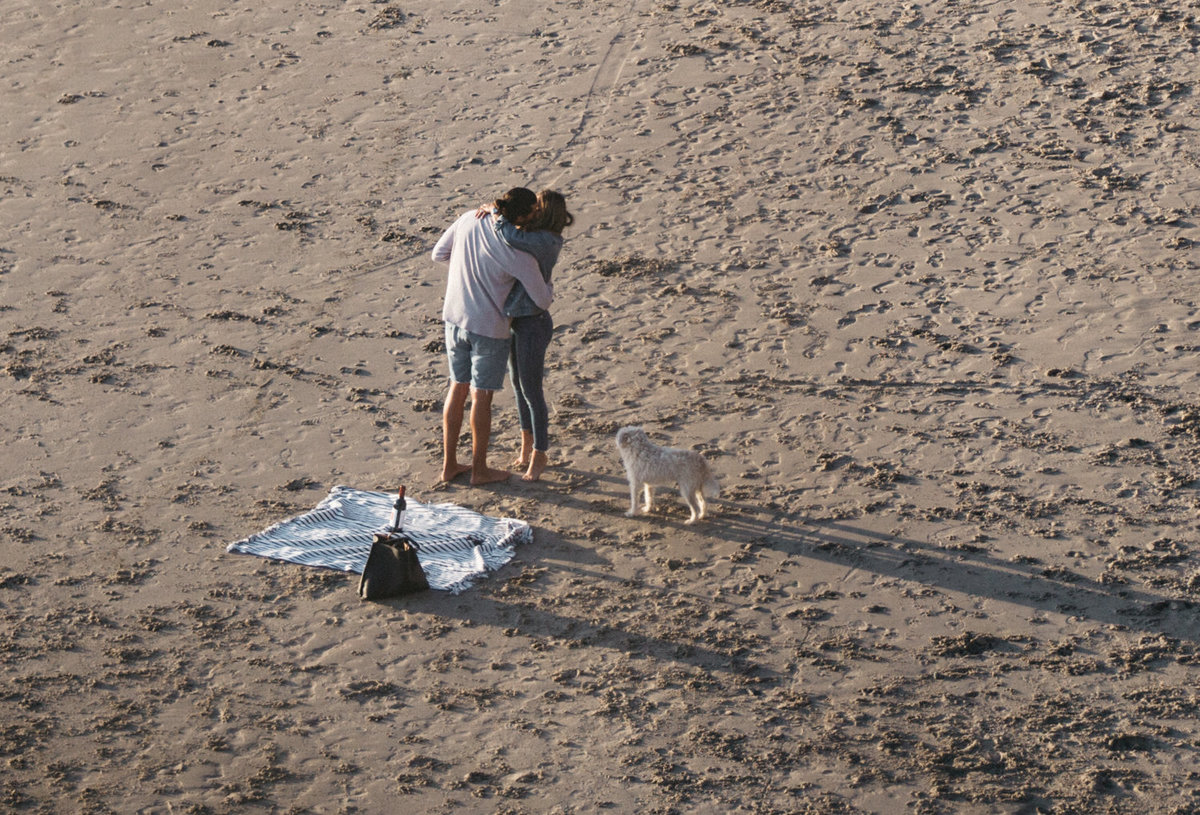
(497, 295)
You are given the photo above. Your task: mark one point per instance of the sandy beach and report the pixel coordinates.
(918, 279)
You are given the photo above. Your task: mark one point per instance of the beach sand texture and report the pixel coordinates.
(919, 279)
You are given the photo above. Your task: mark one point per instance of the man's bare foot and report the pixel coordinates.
(536, 466)
(454, 471)
(519, 463)
(488, 476)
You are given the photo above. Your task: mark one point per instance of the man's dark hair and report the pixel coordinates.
(516, 203)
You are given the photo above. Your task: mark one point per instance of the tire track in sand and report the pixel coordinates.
(604, 81)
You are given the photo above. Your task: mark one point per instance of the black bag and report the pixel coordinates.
(392, 569)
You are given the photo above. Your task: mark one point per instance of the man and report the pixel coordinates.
(482, 271)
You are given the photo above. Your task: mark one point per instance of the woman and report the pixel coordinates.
(540, 236)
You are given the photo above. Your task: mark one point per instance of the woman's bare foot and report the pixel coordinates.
(453, 471)
(522, 460)
(537, 466)
(488, 476)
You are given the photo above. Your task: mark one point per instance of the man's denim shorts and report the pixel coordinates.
(475, 359)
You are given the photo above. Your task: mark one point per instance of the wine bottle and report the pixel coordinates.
(398, 510)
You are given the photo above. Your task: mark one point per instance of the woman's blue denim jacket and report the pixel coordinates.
(544, 245)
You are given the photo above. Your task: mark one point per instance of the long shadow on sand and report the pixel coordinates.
(978, 573)
(974, 573)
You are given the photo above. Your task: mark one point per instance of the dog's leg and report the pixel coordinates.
(634, 489)
(689, 499)
(649, 497)
(700, 501)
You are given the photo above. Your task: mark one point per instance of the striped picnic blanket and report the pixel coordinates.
(455, 545)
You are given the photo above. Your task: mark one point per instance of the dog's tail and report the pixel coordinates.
(712, 487)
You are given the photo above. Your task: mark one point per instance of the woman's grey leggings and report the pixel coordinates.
(526, 367)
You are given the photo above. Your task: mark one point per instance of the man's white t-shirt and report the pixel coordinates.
(482, 270)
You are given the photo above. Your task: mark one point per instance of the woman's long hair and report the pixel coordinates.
(551, 212)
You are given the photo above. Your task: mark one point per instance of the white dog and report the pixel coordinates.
(647, 465)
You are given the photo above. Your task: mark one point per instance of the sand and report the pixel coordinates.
(919, 280)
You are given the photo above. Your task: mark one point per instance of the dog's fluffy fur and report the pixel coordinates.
(649, 465)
